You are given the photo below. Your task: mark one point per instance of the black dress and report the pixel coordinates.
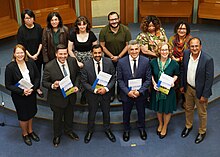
(26, 106)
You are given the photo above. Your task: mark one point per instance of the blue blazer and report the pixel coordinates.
(204, 74)
(124, 74)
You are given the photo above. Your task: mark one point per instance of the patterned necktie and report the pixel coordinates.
(64, 71)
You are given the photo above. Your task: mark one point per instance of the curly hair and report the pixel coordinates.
(147, 20)
(78, 22)
(179, 23)
(159, 47)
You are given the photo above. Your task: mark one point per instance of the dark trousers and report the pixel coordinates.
(127, 108)
(93, 105)
(58, 115)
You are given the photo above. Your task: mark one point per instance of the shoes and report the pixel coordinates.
(34, 136)
(163, 136)
(110, 135)
(112, 98)
(126, 136)
(40, 93)
(143, 134)
(119, 98)
(200, 138)
(73, 136)
(88, 137)
(56, 141)
(27, 140)
(158, 132)
(185, 132)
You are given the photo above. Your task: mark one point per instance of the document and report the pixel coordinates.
(24, 84)
(66, 86)
(102, 80)
(164, 83)
(134, 84)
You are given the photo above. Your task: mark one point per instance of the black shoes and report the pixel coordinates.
(185, 132)
(143, 134)
(34, 136)
(110, 135)
(200, 138)
(88, 137)
(126, 136)
(56, 141)
(73, 136)
(27, 140)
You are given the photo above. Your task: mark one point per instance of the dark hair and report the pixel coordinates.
(177, 25)
(60, 46)
(112, 13)
(147, 20)
(29, 12)
(50, 16)
(23, 49)
(78, 22)
(96, 46)
(200, 42)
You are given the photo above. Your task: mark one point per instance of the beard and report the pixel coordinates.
(112, 25)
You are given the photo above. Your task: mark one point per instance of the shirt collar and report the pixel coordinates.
(191, 57)
(131, 59)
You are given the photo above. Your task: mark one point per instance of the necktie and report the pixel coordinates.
(134, 68)
(64, 71)
(98, 67)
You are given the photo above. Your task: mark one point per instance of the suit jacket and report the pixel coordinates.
(88, 76)
(204, 74)
(124, 74)
(13, 75)
(52, 73)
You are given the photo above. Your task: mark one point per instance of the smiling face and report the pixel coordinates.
(195, 47)
(54, 22)
(97, 54)
(181, 31)
(151, 28)
(164, 51)
(134, 50)
(114, 20)
(29, 21)
(82, 26)
(62, 55)
(19, 54)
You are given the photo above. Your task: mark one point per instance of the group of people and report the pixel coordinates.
(136, 65)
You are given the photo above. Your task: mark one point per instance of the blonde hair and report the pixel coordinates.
(21, 47)
(159, 47)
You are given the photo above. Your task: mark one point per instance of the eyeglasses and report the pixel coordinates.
(28, 18)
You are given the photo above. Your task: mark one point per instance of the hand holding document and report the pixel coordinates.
(134, 84)
(164, 84)
(24, 84)
(66, 86)
(102, 80)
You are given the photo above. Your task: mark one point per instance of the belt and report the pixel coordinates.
(191, 86)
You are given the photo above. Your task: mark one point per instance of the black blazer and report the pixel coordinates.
(88, 76)
(13, 75)
(204, 74)
(52, 73)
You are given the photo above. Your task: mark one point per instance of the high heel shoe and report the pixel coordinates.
(158, 132)
(163, 136)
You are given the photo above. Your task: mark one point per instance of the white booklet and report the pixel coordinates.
(164, 83)
(102, 80)
(66, 86)
(24, 84)
(134, 84)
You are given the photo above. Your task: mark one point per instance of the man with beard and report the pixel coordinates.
(99, 96)
(114, 39)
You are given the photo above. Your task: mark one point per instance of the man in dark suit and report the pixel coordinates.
(197, 79)
(98, 96)
(54, 72)
(131, 67)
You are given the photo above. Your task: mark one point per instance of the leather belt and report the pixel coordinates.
(191, 86)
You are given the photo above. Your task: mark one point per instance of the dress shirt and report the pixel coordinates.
(96, 71)
(25, 74)
(66, 67)
(131, 60)
(191, 71)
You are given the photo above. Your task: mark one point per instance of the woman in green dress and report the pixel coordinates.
(163, 104)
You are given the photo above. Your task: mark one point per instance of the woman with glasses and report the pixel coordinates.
(163, 104)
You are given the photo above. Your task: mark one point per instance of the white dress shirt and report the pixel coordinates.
(66, 67)
(131, 60)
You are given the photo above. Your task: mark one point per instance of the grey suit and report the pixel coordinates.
(60, 106)
(88, 76)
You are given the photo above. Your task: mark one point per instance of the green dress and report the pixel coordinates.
(167, 105)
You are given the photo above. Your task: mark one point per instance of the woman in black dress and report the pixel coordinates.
(30, 36)
(23, 98)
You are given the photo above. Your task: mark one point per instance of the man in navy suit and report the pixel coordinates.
(197, 78)
(130, 68)
(98, 96)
